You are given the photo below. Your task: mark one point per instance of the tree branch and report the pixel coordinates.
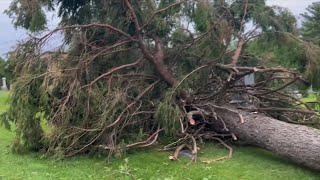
(126, 66)
(158, 12)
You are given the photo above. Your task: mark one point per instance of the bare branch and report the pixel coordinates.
(118, 120)
(280, 88)
(110, 27)
(126, 66)
(158, 12)
(151, 140)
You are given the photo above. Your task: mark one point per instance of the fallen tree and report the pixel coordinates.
(138, 75)
(297, 143)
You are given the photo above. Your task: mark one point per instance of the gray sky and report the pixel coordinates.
(296, 6)
(9, 36)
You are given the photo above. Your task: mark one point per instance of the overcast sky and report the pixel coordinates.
(9, 36)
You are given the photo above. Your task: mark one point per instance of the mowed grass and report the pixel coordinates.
(313, 102)
(310, 98)
(248, 163)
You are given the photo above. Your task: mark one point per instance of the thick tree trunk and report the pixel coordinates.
(298, 143)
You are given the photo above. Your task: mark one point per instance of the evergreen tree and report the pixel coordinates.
(130, 69)
(311, 23)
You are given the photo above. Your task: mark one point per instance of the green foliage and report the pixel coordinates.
(312, 71)
(279, 49)
(268, 18)
(168, 116)
(311, 25)
(61, 130)
(6, 70)
(313, 100)
(38, 21)
(28, 129)
(284, 21)
(311, 33)
(4, 96)
(165, 22)
(29, 14)
(67, 103)
(138, 164)
(286, 50)
(255, 10)
(201, 15)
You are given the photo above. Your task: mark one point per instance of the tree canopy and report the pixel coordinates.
(131, 71)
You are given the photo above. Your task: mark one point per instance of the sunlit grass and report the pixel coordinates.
(4, 101)
(248, 163)
(310, 98)
(313, 102)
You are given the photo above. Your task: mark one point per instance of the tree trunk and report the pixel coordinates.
(298, 143)
(237, 53)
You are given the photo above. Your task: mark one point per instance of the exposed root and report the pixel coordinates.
(222, 158)
(195, 149)
(225, 145)
(185, 149)
(177, 152)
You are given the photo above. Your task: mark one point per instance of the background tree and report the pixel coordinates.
(310, 26)
(6, 71)
(30, 14)
(285, 48)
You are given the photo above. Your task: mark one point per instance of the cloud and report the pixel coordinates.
(9, 35)
(4, 4)
(295, 6)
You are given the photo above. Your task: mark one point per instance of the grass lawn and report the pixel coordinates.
(247, 164)
(310, 98)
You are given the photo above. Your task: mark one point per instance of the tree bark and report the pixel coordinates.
(237, 53)
(156, 58)
(297, 143)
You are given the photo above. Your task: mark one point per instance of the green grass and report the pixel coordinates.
(3, 101)
(248, 163)
(310, 98)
